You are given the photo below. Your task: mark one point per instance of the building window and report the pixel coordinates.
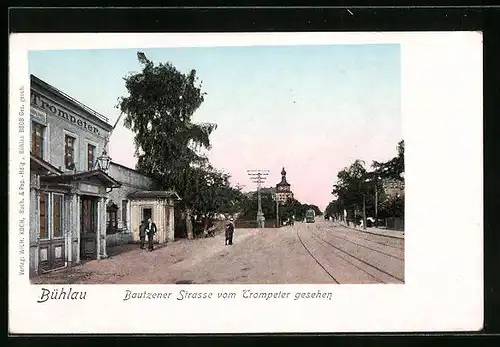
(57, 215)
(44, 226)
(37, 132)
(69, 152)
(124, 213)
(90, 156)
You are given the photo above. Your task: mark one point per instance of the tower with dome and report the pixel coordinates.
(283, 189)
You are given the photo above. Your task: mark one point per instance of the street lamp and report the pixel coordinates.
(104, 159)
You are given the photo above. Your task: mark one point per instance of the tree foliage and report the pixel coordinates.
(351, 184)
(394, 168)
(356, 185)
(159, 108)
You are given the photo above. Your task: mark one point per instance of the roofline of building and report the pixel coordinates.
(154, 194)
(48, 166)
(130, 169)
(99, 117)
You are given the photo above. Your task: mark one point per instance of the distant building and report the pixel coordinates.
(283, 189)
(393, 187)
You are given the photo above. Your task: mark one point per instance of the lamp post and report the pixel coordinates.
(104, 159)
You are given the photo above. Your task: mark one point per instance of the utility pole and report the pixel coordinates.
(277, 213)
(259, 177)
(364, 211)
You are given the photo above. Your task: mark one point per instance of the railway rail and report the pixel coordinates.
(370, 269)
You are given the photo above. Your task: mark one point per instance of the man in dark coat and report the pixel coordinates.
(151, 231)
(229, 232)
(142, 233)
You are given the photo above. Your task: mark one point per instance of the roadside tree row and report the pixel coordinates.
(378, 192)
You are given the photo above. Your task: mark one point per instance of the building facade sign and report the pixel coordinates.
(89, 188)
(46, 104)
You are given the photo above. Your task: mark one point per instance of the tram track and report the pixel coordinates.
(315, 259)
(358, 259)
(373, 241)
(367, 247)
(322, 242)
(358, 232)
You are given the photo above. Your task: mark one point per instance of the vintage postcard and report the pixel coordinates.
(245, 183)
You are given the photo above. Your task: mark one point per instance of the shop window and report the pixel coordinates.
(37, 139)
(44, 225)
(90, 156)
(57, 216)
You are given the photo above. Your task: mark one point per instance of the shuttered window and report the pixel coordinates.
(90, 156)
(69, 152)
(37, 139)
(57, 215)
(44, 226)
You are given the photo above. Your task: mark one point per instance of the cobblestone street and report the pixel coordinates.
(321, 252)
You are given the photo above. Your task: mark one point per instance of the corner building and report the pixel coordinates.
(68, 193)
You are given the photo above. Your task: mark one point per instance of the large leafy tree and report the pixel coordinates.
(351, 185)
(393, 168)
(335, 209)
(216, 195)
(158, 109)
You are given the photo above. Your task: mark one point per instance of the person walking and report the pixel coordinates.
(229, 232)
(142, 233)
(151, 231)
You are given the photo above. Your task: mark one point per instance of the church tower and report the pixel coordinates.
(283, 190)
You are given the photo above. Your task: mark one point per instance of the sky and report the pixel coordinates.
(310, 109)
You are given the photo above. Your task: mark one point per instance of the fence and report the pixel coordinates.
(242, 224)
(395, 224)
(118, 239)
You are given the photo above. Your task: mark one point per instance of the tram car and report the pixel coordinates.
(310, 216)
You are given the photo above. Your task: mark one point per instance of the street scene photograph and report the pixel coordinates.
(217, 165)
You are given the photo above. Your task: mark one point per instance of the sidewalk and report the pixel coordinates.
(376, 231)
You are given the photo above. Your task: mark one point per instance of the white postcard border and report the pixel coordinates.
(442, 129)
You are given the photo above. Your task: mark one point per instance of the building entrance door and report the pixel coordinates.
(89, 225)
(146, 214)
(52, 250)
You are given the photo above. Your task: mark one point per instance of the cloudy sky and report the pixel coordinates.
(310, 109)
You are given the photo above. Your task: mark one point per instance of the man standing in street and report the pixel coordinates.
(151, 231)
(229, 232)
(142, 233)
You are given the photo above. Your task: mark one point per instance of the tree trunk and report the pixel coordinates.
(189, 223)
(205, 225)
